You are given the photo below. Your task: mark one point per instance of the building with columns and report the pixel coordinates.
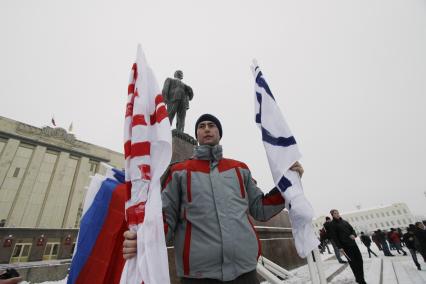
(44, 173)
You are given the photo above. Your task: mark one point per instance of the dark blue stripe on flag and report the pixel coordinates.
(91, 225)
(283, 184)
(277, 141)
(262, 83)
(259, 114)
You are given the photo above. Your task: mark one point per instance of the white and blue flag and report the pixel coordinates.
(282, 152)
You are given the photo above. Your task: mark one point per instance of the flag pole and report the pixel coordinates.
(320, 266)
(311, 267)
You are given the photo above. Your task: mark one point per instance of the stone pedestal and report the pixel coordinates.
(182, 145)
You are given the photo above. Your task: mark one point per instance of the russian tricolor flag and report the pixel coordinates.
(98, 257)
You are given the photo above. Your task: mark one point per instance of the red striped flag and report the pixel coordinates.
(148, 151)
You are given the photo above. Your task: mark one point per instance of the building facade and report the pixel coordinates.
(397, 215)
(44, 173)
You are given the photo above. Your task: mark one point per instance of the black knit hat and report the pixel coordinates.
(209, 117)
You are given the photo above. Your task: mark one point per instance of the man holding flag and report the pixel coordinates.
(206, 202)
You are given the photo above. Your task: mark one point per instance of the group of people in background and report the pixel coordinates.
(341, 235)
(414, 239)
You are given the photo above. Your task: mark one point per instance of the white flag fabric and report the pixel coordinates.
(148, 151)
(282, 152)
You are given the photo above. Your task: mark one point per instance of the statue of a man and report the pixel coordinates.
(177, 95)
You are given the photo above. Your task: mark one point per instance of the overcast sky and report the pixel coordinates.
(350, 77)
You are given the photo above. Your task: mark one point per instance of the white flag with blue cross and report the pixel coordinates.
(282, 152)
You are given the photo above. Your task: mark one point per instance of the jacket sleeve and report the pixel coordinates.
(335, 235)
(171, 197)
(330, 232)
(352, 230)
(263, 206)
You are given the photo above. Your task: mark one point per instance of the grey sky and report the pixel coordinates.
(350, 77)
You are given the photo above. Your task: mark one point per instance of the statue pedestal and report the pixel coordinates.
(182, 146)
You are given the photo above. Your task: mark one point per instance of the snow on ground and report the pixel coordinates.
(403, 265)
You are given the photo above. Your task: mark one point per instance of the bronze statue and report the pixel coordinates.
(177, 95)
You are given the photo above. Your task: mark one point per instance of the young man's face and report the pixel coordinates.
(335, 214)
(208, 133)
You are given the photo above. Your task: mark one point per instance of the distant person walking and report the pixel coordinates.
(390, 241)
(376, 241)
(420, 233)
(381, 237)
(344, 235)
(324, 241)
(396, 240)
(329, 232)
(410, 243)
(365, 239)
(401, 239)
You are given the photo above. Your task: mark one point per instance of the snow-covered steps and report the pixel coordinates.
(374, 271)
(333, 270)
(388, 273)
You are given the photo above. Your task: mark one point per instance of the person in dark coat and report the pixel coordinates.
(381, 237)
(410, 243)
(401, 239)
(323, 241)
(376, 241)
(420, 233)
(344, 235)
(365, 239)
(329, 232)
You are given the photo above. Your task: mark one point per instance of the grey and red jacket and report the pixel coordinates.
(206, 204)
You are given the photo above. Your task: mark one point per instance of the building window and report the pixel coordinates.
(362, 218)
(399, 211)
(375, 224)
(382, 225)
(387, 214)
(387, 223)
(404, 222)
(399, 222)
(93, 167)
(21, 252)
(377, 215)
(392, 223)
(393, 212)
(16, 172)
(366, 217)
(51, 251)
(405, 211)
